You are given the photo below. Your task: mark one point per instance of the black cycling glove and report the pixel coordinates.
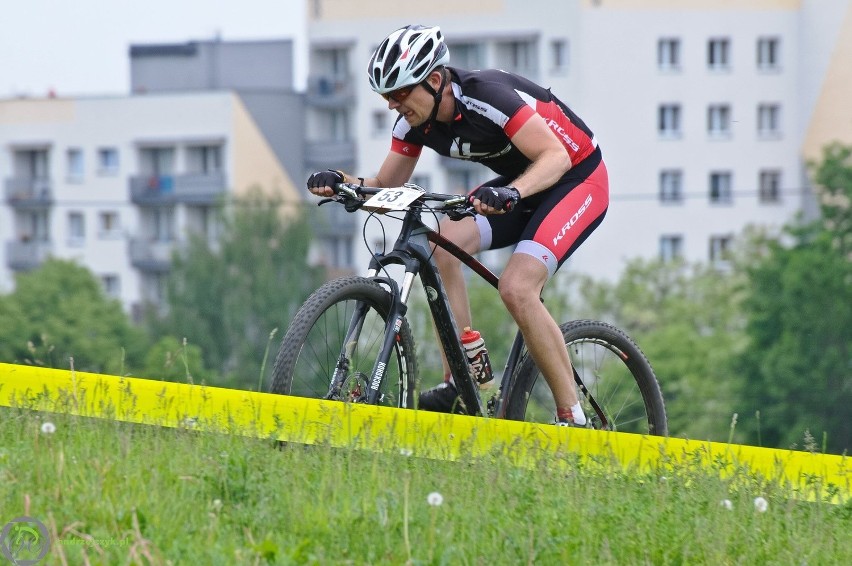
(501, 198)
(322, 179)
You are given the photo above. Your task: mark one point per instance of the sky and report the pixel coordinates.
(80, 47)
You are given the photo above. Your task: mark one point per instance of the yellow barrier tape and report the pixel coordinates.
(309, 421)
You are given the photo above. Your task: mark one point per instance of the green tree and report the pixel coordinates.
(58, 312)
(687, 320)
(799, 360)
(229, 298)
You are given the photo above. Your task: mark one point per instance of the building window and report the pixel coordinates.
(206, 159)
(671, 186)
(668, 54)
(769, 120)
(559, 55)
(32, 163)
(339, 121)
(76, 229)
(517, 57)
(467, 55)
(75, 165)
(379, 123)
(720, 249)
(768, 53)
(719, 121)
(769, 190)
(669, 120)
(112, 285)
(339, 251)
(671, 247)
(108, 225)
(155, 288)
(718, 54)
(107, 161)
(720, 187)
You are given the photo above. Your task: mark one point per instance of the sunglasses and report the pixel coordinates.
(400, 94)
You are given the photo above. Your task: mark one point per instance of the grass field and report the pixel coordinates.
(113, 493)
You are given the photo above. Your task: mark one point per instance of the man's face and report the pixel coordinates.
(414, 103)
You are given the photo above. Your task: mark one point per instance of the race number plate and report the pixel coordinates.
(393, 198)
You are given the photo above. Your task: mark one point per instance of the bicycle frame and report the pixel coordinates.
(412, 250)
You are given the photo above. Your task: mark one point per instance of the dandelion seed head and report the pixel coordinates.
(434, 499)
(727, 504)
(48, 427)
(406, 451)
(761, 504)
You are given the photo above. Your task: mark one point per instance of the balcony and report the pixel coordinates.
(27, 255)
(329, 91)
(189, 188)
(330, 153)
(24, 192)
(151, 255)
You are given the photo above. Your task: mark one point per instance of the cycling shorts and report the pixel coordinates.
(552, 224)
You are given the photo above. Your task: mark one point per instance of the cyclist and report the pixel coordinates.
(551, 191)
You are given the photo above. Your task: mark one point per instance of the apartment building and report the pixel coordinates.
(706, 111)
(119, 183)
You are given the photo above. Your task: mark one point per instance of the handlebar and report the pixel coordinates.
(352, 196)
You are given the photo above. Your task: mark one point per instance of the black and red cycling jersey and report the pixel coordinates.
(491, 106)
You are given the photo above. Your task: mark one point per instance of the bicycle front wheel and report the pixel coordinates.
(615, 373)
(317, 360)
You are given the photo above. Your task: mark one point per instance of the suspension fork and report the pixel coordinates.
(393, 325)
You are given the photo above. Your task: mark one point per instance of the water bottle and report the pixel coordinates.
(477, 357)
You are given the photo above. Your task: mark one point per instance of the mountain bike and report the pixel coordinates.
(351, 341)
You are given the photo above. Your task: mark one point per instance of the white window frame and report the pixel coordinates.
(671, 247)
(108, 161)
(109, 225)
(671, 186)
(769, 53)
(719, 121)
(76, 165)
(720, 247)
(719, 54)
(111, 283)
(668, 54)
(559, 55)
(669, 120)
(769, 120)
(379, 123)
(721, 187)
(76, 228)
(769, 186)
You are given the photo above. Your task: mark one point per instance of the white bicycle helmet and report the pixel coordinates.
(406, 57)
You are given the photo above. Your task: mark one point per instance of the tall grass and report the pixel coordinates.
(113, 493)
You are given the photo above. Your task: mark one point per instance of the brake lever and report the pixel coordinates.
(455, 214)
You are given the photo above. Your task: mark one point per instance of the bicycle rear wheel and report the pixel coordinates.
(613, 369)
(313, 351)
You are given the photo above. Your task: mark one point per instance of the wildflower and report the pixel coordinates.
(48, 427)
(216, 505)
(760, 504)
(726, 503)
(434, 499)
